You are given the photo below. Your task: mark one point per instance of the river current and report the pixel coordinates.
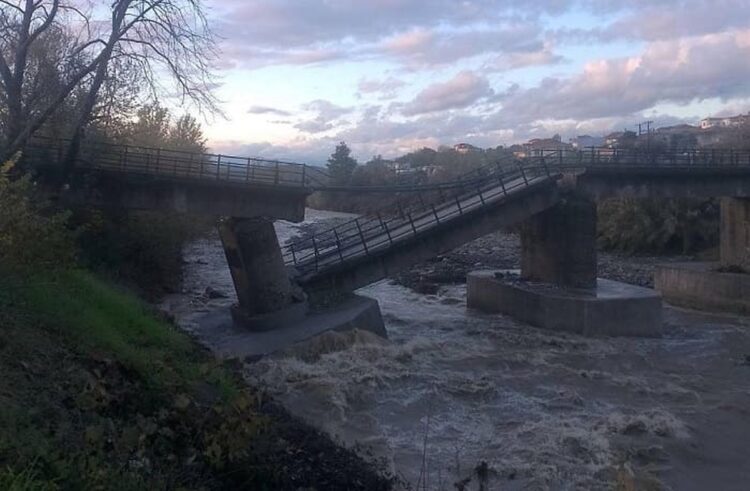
(454, 394)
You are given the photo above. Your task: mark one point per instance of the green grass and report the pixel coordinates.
(98, 317)
(96, 392)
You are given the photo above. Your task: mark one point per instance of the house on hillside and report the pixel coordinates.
(538, 146)
(465, 148)
(619, 139)
(585, 141)
(400, 168)
(729, 122)
(681, 136)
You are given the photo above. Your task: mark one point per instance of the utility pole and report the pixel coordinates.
(647, 125)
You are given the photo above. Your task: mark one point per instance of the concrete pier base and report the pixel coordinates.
(227, 340)
(701, 286)
(610, 309)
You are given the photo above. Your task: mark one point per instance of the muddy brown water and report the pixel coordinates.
(453, 388)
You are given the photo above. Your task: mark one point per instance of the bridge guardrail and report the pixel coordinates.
(602, 156)
(176, 164)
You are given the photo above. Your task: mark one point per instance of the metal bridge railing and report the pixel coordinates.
(599, 156)
(366, 236)
(175, 164)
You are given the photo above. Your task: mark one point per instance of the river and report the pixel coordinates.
(455, 394)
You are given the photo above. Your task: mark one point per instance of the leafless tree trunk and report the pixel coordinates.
(167, 40)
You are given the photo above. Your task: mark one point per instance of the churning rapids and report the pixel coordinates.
(452, 389)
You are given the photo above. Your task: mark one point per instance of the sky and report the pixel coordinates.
(392, 76)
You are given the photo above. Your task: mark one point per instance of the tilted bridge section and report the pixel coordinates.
(367, 249)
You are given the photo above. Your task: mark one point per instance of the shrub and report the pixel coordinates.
(32, 233)
(658, 226)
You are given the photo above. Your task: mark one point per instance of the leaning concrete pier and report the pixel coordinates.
(266, 295)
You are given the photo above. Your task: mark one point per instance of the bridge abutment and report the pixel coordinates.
(557, 287)
(723, 286)
(265, 294)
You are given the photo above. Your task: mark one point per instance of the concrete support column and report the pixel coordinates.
(735, 233)
(559, 244)
(257, 267)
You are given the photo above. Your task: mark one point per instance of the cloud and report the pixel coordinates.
(422, 48)
(463, 90)
(510, 61)
(259, 33)
(327, 116)
(385, 88)
(676, 71)
(268, 110)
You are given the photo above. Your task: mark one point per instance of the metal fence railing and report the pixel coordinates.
(175, 164)
(600, 156)
(367, 236)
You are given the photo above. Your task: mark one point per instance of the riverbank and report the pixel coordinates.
(98, 392)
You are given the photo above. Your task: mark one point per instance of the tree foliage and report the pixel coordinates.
(31, 233)
(658, 226)
(341, 165)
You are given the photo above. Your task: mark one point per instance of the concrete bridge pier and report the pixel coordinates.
(557, 287)
(735, 234)
(558, 245)
(723, 286)
(266, 296)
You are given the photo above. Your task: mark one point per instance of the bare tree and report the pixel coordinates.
(168, 41)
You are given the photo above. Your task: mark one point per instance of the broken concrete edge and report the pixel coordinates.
(612, 309)
(701, 286)
(227, 340)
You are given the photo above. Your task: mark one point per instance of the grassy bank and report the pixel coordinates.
(98, 393)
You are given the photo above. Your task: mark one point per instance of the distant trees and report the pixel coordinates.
(153, 127)
(341, 165)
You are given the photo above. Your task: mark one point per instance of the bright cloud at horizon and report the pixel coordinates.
(391, 76)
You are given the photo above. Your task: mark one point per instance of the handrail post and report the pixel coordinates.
(276, 179)
(361, 236)
(218, 166)
(247, 171)
(411, 220)
(338, 245)
(315, 250)
(304, 175)
(385, 227)
(294, 256)
(523, 173)
(502, 184)
(460, 209)
(479, 190)
(434, 212)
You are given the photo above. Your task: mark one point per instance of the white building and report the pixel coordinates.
(730, 122)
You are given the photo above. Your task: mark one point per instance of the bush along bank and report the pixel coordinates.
(98, 393)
